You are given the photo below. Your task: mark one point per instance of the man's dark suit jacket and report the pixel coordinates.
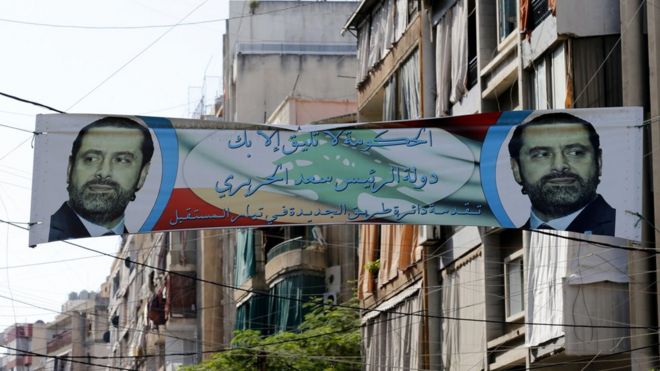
(597, 218)
(65, 224)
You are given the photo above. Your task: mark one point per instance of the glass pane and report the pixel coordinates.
(506, 17)
(244, 262)
(514, 287)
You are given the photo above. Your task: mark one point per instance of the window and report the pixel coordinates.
(413, 8)
(506, 18)
(597, 77)
(368, 259)
(288, 314)
(401, 97)
(538, 11)
(472, 74)
(253, 314)
(184, 247)
(513, 286)
(182, 295)
(548, 80)
(244, 260)
(115, 283)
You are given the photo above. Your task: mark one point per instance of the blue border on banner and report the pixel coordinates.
(169, 152)
(489, 152)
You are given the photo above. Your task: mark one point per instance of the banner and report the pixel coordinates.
(577, 170)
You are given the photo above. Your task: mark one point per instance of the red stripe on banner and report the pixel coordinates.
(473, 127)
(185, 210)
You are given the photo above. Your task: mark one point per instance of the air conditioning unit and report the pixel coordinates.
(333, 278)
(330, 297)
(427, 234)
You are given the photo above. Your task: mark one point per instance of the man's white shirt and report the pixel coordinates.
(560, 224)
(96, 230)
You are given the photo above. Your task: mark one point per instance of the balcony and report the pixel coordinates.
(294, 254)
(59, 341)
(293, 244)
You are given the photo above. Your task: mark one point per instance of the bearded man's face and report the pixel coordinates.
(558, 168)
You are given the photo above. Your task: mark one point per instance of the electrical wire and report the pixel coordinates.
(30, 102)
(136, 56)
(294, 299)
(14, 149)
(143, 27)
(49, 262)
(16, 128)
(63, 358)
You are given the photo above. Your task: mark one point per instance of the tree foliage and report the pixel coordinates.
(328, 339)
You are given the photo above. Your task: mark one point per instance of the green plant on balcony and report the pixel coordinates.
(373, 266)
(253, 5)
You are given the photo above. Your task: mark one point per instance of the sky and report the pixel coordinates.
(82, 56)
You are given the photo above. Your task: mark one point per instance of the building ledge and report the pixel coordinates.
(506, 338)
(500, 73)
(311, 258)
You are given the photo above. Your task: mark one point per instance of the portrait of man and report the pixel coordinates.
(557, 160)
(108, 164)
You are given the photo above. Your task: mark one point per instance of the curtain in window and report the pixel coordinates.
(459, 52)
(388, 253)
(367, 253)
(363, 51)
(397, 243)
(409, 102)
(389, 100)
(253, 314)
(463, 297)
(241, 316)
(389, 9)
(558, 71)
(400, 18)
(524, 15)
(181, 295)
(377, 38)
(392, 339)
(546, 268)
(591, 89)
(244, 263)
(286, 315)
(539, 80)
(409, 242)
(443, 64)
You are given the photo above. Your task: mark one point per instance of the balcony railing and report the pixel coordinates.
(59, 341)
(297, 243)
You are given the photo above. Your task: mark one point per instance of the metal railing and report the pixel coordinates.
(297, 243)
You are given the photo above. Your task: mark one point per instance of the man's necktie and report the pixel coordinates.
(545, 226)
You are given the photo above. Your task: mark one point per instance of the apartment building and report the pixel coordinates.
(168, 307)
(285, 62)
(17, 338)
(276, 49)
(80, 331)
(468, 298)
(277, 263)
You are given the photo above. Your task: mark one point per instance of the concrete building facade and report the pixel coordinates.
(481, 290)
(275, 49)
(168, 307)
(68, 343)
